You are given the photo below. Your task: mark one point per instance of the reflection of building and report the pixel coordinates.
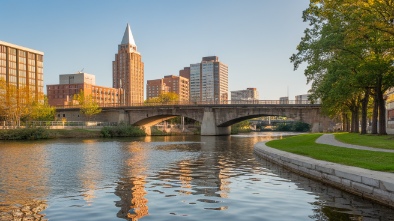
(208, 80)
(71, 84)
(22, 67)
(128, 70)
(248, 94)
(131, 189)
(170, 83)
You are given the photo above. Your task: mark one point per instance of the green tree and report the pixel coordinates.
(168, 97)
(89, 107)
(42, 111)
(349, 51)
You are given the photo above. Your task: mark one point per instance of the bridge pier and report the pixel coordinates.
(209, 128)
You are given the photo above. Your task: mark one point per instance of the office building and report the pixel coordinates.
(209, 81)
(62, 94)
(170, 83)
(249, 94)
(22, 67)
(128, 70)
(302, 99)
(284, 100)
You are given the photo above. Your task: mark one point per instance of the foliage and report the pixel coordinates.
(294, 126)
(348, 49)
(122, 130)
(89, 106)
(24, 134)
(305, 145)
(167, 97)
(42, 111)
(241, 127)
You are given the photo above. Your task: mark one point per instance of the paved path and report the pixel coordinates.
(330, 140)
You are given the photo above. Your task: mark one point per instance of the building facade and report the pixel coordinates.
(170, 83)
(209, 81)
(62, 94)
(250, 94)
(24, 68)
(302, 99)
(128, 70)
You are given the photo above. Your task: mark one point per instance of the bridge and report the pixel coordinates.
(215, 119)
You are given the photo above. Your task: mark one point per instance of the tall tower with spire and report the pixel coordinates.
(128, 71)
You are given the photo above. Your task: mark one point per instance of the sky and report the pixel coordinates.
(255, 38)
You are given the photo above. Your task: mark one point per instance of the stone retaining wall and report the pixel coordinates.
(373, 185)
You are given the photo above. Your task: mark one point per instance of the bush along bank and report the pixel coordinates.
(122, 130)
(25, 134)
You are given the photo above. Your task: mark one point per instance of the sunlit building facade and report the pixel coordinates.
(250, 94)
(128, 70)
(170, 83)
(209, 81)
(22, 67)
(62, 94)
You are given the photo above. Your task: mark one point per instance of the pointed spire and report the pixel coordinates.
(128, 36)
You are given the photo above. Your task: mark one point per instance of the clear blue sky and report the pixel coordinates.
(255, 38)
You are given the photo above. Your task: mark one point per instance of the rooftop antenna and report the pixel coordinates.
(81, 70)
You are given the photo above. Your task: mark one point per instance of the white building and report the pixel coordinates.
(248, 94)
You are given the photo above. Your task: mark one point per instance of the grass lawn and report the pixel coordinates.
(369, 140)
(305, 145)
(74, 133)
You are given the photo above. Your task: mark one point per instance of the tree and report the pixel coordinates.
(349, 51)
(89, 106)
(16, 102)
(168, 97)
(42, 111)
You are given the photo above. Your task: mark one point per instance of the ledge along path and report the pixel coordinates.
(374, 185)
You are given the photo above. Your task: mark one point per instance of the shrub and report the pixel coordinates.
(122, 130)
(24, 134)
(295, 126)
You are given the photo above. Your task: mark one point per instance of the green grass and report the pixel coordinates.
(305, 145)
(369, 140)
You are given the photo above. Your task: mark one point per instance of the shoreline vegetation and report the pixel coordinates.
(305, 145)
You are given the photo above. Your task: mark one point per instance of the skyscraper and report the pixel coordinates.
(128, 70)
(209, 81)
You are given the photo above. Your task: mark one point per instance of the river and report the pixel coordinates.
(164, 178)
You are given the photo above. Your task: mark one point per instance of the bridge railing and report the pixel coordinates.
(190, 103)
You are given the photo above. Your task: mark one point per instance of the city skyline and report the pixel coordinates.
(254, 38)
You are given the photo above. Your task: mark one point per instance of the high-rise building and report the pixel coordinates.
(128, 70)
(302, 99)
(170, 83)
(62, 94)
(242, 95)
(22, 67)
(209, 81)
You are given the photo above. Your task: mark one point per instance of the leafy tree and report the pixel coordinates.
(42, 111)
(349, 51)
(89, 106)
(168, 97)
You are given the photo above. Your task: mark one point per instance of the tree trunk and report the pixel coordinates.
(355, 120)
(375, 115)
(382, 111)
(364, 111)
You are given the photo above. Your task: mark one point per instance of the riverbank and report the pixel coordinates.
(374, 185)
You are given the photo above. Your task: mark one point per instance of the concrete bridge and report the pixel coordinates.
(215, 119)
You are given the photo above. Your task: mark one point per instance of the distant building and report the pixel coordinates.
(284, 100)
(209, 81)
(62, 94)
(185, 73)
(128, 70)
(302, 99)
(248, 94)
(22, 67)
(170, 83)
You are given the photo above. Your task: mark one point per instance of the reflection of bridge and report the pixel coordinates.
(215, 119)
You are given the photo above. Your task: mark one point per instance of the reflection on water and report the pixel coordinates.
(164, 178)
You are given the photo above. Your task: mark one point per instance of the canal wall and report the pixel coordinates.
(373, 185)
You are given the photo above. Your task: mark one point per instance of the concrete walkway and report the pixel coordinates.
(330, 140)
